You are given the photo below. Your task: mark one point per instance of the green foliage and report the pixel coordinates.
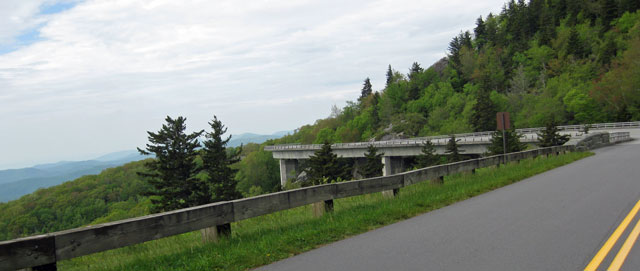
(366, 89)
(216, 163)
(113, 194)
(452, 150)
(550, 136)
(512, 141)
(428, 157)
(258, 169)
(325, 166)
(484, 113)
(373, 164)
(173, 173)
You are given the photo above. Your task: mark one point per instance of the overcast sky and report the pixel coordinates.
(79, 79)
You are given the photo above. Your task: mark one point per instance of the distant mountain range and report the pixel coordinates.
(245, 138)
(15, 183)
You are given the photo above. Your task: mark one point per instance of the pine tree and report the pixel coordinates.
(325, 166)
(551, 137)
(217, 163)
(428, 157)
(373, 165)
(389, 76)
(574, 44)
(366, 89)
(513, 142)
(452, 150)
(173, 172)
(375, 117)
(484, 113)
(609, 13)
(480, 33)
(415, 70)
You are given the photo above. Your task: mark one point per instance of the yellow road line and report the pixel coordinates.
(602, 253)
(625, 249)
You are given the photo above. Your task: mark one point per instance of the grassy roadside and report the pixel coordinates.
(269, 238)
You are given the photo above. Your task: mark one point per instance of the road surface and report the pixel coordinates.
(558, 220)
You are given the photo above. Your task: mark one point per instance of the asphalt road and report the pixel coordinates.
(557, 220)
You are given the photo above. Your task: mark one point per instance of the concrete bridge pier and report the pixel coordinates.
(392, 165)
(288, 170)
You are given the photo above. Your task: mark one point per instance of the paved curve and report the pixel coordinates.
(557, 220)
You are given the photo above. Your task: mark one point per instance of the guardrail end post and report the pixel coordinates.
(439, 180)
(390, 193)
(322, 207)
(215, 233)
(46, 267)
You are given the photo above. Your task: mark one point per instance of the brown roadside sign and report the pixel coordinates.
(504, 123)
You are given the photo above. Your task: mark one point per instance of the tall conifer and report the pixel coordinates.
(173, 171)
(373, 165)
(217, 163)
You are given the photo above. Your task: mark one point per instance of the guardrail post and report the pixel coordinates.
(46, 267)
(439, 180)
(214, 234)
(320, 208)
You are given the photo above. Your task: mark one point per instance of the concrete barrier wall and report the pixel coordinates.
(49, 248)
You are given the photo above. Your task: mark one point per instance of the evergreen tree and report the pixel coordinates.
(325, 166)
(609, 13)
(428, 157)
(452, 150)
(484, 113)
(366, 89)
(608, 52)
(217, 163)
(173, 172)
(574, 45)
(551, 137)
(455, 47)
(480, 33)
(513, 142)
(375, 117)
(628, 5)
(373, 166)
(389, 76)
(415, 70)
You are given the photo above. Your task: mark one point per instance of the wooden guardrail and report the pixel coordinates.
(42, 251)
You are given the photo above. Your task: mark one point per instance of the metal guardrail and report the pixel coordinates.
(47, 249)
(465, 138)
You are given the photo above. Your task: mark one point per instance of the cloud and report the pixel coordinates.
(134, 62)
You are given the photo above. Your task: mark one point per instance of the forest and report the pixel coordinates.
(570, 62)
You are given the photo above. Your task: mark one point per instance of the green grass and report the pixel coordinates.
(262, 240)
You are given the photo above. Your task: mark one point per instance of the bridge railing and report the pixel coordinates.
(465, 138)
(616, 137)
(45, 250)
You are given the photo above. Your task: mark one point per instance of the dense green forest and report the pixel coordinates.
(557, 60)
(111, 195)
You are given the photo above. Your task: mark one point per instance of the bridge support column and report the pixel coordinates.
(288, 169)
(392, 165)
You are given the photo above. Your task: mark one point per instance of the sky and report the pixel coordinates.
(79, 79)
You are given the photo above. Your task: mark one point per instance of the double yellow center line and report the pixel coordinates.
(617, 262)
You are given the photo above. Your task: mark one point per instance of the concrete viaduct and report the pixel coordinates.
(395, 151)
